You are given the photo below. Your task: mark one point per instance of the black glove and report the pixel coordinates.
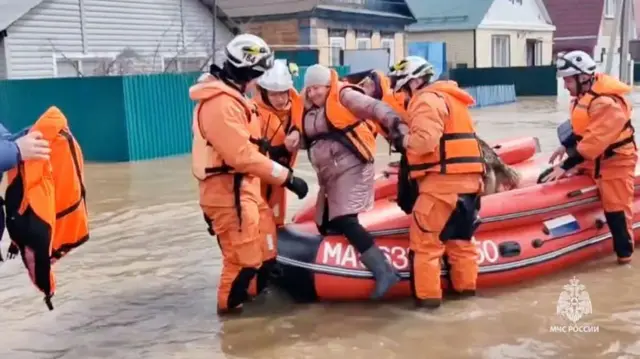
(14, 251)
(296, 185)
(279, 153)
(398, 143)
(398, 140)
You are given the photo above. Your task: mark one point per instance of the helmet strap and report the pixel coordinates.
(582, 86)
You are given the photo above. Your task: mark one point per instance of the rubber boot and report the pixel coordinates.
(385, 275)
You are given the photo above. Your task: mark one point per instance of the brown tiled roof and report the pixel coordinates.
(575, 18)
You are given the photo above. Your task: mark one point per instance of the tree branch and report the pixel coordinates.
(73, 63)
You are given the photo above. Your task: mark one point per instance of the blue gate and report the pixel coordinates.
(434, 52)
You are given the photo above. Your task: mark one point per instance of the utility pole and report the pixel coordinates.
(624, 41)
(613, 37)
(213, 33)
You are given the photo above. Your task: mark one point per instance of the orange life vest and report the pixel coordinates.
(604, 85)
(358, 135)
(275, 129)
(459, 150)
(206, 162)
(396, 100)
(45, 201)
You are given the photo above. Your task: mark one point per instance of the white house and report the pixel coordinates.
(485, 33)
(64, 38)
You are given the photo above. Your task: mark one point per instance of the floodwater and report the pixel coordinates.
(144, 286)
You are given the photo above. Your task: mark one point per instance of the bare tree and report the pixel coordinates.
(71, 62)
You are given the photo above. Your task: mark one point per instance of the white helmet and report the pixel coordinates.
(411, 67)
(278, 78)
(249, 52)
(575, 63)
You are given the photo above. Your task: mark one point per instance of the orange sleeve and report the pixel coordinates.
(426, 123)
(608, 118)
(224, 126)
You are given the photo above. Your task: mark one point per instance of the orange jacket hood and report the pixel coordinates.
(451, 88)
(208, 86)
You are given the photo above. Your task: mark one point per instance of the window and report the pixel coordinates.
(534, 52)
(609, 8)
(84, 67)
(185, 63)
(501, 51)
(363, 44)
(337, 44)
(389, 43)
(538, 53)
(363, 40)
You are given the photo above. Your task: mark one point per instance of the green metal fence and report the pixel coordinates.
(528, 81)
(114, 118)
(94, 108)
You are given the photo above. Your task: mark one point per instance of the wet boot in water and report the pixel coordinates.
(385, 275)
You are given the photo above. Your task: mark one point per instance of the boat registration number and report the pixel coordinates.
(344, 255)
(488, 251)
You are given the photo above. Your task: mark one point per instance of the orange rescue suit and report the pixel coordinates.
(229, 167)
(275, 127)
(45, 202)
(358, 135)
(444, 159)
(606, 150)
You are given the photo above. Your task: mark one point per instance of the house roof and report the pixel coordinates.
(577, 24)
(248, 8)
(444, 15)
(13, 10)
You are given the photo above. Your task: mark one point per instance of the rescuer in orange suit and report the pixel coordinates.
(275, 97)
(442, 160)
(229, 165)
(599, 141)
(498, 176)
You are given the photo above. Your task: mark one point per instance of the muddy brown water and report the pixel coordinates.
(144, 286)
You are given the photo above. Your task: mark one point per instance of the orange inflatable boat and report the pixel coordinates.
(518, 152)
(524, 233)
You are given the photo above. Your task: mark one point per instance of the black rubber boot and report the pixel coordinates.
(385, 275)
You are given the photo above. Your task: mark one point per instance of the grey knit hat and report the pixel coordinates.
(317, 75)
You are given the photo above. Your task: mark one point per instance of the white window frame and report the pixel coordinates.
(538, 50)
(610, 9)
(179, 61)
(389, 43)
(336, 44)
(78, 58)
(500, 51)
(366, 41)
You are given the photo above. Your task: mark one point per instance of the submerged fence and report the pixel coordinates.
(131, 118)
